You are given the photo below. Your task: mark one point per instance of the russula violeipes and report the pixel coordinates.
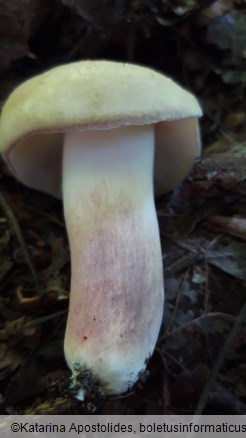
(88, 132)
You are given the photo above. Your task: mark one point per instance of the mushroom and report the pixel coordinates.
(89, 132)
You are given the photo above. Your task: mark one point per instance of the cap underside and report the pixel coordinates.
(83, 95)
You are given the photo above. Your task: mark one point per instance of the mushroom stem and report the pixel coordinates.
(116, 301)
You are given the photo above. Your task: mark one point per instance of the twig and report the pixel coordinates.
(46, 216)
(43, 319)
(184, 263)
(17, 230)
(177, 363)
(207, 292)
(241, 318)
(218, 315)
(179, 295)
(164, 387)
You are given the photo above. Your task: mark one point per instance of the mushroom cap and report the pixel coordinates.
(90, 95)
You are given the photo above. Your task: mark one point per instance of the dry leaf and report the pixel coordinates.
(236, 226)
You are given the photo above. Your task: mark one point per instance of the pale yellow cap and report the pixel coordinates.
(86, 95)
